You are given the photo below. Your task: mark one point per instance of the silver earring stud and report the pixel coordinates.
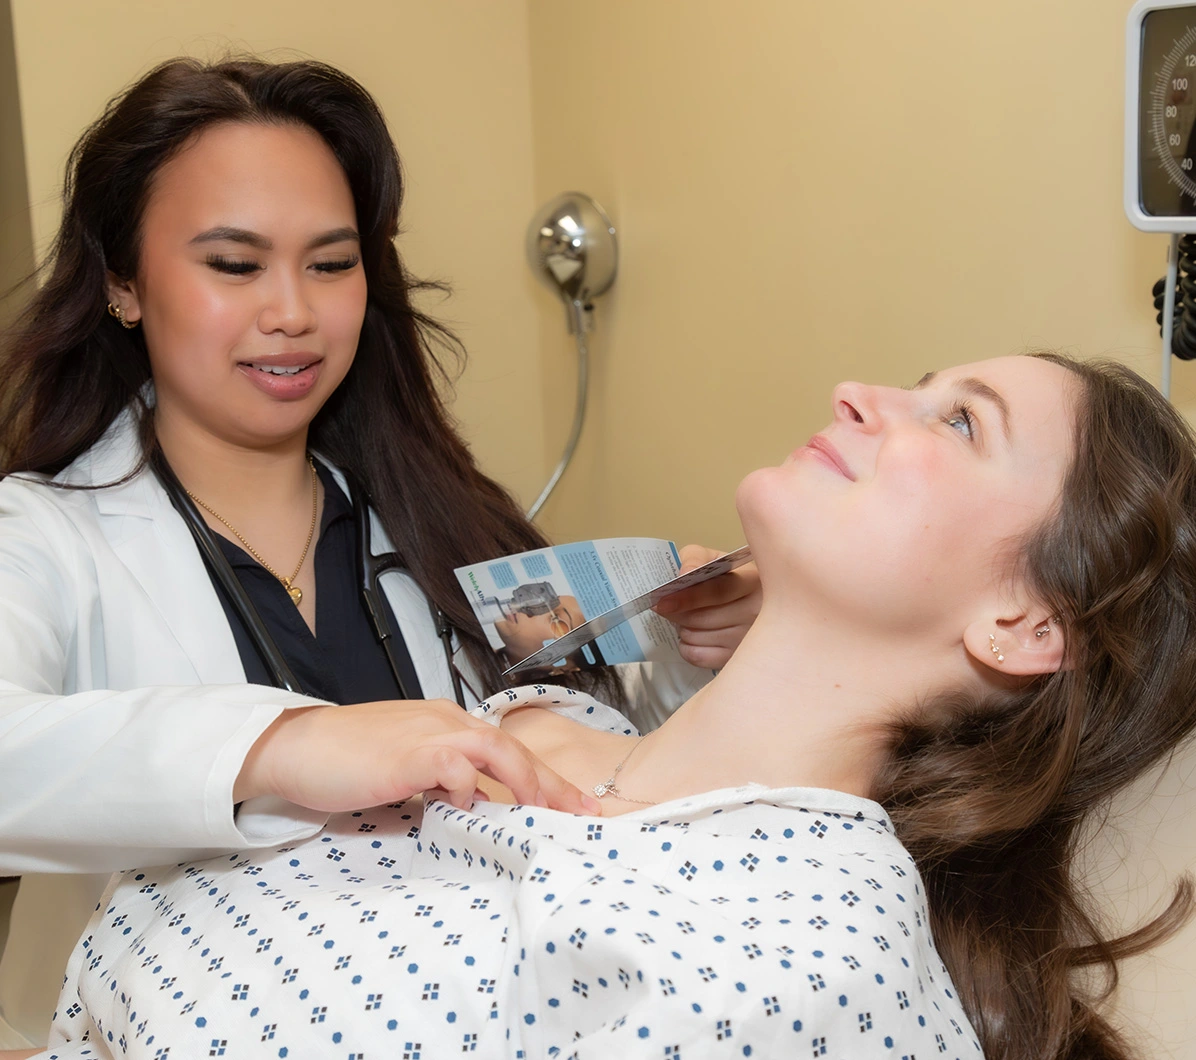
(992, 646)
(1040, 633)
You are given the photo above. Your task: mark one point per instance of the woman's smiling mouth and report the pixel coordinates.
(821, 448)
(285, 377)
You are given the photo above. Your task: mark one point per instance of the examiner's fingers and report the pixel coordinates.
(437, 768)
(531, 781)
(369, 754)
(559, 794)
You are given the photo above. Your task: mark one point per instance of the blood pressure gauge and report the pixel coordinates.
(1160, 158)
(1160, 133)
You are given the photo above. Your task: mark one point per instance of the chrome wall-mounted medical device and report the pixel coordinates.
(1160, 157)
(571, 247)
(531, 599)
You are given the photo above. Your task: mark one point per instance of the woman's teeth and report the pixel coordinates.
(280, 371)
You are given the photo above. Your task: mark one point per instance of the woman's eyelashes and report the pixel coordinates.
(245, 267)
(232, 266)
(338, 265)
(961, 419)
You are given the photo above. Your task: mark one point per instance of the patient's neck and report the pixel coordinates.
(800, 704)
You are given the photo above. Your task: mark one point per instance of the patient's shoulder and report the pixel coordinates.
(554, 706)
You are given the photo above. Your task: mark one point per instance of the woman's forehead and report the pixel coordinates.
(232, 167)
(1020, 369)
(1031, 387)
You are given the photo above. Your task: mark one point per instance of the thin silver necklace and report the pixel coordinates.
(607, 787)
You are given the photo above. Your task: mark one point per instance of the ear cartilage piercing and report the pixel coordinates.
(1040, 633)
(992, 646)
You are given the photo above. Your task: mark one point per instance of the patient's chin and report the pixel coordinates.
(759, 499)
(770, 511)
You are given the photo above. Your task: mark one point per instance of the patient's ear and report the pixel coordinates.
(1022, 646)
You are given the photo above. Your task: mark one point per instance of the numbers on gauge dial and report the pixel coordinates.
(1173, 113)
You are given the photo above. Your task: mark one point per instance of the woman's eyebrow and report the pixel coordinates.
(231, 234)
(979, 389)
(335, 235)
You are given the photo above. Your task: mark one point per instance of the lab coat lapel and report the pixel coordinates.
(153, 542)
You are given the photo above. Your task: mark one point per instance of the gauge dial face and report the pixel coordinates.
(1171, 113)
(1168, 113)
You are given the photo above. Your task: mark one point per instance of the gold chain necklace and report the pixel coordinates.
(295, 593)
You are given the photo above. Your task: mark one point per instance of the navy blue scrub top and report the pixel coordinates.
(343, 661)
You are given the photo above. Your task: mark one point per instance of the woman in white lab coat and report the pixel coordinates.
(224, 306)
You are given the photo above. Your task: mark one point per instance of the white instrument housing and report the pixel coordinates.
(1160, 116)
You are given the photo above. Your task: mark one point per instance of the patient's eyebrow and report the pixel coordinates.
(980, 389)
(231, 234)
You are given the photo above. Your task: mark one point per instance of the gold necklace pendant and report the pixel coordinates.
(293, 591)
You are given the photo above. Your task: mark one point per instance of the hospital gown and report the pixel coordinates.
(741, 922)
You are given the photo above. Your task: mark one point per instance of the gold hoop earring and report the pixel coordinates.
(116, 311)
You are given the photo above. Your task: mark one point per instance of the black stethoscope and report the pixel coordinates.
(370, 569)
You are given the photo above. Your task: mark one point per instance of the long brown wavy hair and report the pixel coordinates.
(70, 369)
(993, 797)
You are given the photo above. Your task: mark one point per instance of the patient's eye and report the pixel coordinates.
(960, 418)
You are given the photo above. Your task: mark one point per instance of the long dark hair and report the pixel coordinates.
(71, 369)
(994, 797)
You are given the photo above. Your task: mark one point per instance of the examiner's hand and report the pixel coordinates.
(712, 618)
(369, 754)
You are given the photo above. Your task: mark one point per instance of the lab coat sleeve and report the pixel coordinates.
(104, 779)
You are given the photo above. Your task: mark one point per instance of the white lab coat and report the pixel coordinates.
(124, 712)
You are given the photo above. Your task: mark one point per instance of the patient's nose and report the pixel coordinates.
(869, 407)
(857, 404)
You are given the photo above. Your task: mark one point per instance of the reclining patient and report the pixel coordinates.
(857, 841)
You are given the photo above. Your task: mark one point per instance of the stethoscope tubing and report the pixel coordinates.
(281, 675)
(370, 569)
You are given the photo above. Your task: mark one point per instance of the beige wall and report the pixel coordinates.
(16, 248)
(452, 78)
(807, 192)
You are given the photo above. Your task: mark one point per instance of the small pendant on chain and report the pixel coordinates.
(295, 593)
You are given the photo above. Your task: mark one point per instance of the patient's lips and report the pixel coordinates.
(820, 448)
